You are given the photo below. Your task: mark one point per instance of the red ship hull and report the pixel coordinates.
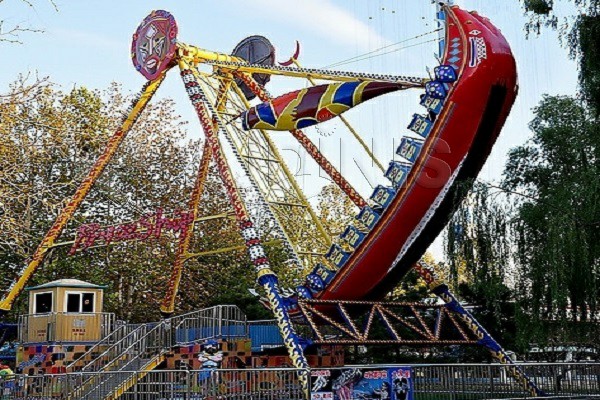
(474, 111)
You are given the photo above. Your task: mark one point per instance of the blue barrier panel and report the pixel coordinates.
(264, 336)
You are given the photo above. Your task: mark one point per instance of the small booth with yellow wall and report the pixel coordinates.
(64, 321)
(66, 310)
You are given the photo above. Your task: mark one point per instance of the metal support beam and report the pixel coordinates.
(167, 306)
(228, 249)
(353, 323)
(194, 55)
(266, 277)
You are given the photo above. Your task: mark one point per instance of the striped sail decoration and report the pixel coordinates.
(307, 107)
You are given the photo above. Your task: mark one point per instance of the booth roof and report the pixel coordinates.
(72, 283)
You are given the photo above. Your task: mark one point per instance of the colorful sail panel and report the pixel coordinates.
(307, 107)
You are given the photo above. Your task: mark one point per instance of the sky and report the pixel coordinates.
(87, 43)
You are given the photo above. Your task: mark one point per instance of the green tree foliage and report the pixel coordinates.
(336, 211)
(478, 248)
(535, 245)
(557, 222)
(539, 237)
(584, 41)
(49, 139)
(580, 34)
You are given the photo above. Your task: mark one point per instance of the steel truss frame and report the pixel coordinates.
(293, 214)
(407, 324)
(357, 323)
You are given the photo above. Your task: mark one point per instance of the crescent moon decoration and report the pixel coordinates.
(293, 58)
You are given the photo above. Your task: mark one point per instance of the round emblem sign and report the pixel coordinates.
(154, 44)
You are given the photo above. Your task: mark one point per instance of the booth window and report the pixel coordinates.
(43, 303)
(80, 302)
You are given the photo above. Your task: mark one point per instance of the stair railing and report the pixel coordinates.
(99, 347)
(218, 322)
(130, 354)
(115, 350)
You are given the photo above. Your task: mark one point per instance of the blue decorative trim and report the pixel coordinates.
(383, 196)
(353, 236)
(397, 173)
(409, 148)
(368, 217)
(337, 255)
(421, 125)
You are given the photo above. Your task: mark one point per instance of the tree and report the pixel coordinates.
(12, 33)
(544, 248)
(557, 221)
(49, 140)
(336, 210)
(478, 247)
(580, 33)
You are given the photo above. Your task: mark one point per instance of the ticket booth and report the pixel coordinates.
(66, 310)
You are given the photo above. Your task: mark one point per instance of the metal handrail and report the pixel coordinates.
(218, 309)
(105, 341)
(147, 342)
(120, 346)
(133, 350)
(112, 338)
(140, 346)
(220, 321)
(469, 381)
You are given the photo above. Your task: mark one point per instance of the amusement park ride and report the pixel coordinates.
(465, 106)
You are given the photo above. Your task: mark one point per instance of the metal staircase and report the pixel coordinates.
(123, 363)
(98, 349)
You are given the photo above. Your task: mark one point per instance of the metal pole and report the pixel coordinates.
(168, 304)
(266, 277)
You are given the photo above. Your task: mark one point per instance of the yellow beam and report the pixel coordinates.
(168, 304)
(195, 55)
(136, 377)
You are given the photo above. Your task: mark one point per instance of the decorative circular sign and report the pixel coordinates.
(154, 44)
